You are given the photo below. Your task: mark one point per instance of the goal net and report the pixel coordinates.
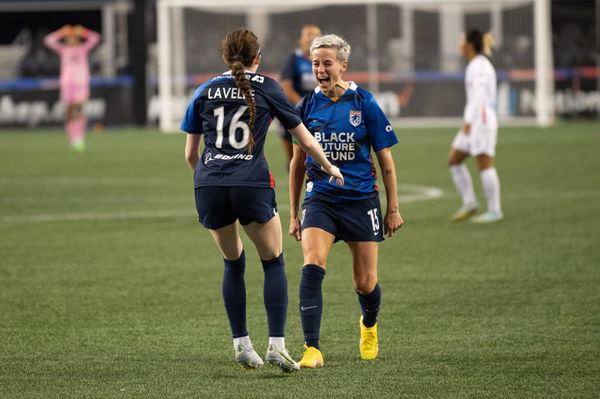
(406, 52)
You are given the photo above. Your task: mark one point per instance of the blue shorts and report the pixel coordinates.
(358, 220)
(221, 206)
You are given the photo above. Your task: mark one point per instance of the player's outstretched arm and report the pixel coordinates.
(309, 145)
(296, 177)
(392, 220)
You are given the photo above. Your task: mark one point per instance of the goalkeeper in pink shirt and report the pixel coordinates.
(73, 44)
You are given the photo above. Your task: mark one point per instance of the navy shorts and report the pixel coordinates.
(221, 206)
(358, 220)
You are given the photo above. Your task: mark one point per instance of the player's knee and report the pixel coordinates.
(314, 259)
(453, 161)
(365, 284)
(271, 253)
(485, 162)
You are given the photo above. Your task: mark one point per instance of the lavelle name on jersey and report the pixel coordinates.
(226, 93)
(337, 146)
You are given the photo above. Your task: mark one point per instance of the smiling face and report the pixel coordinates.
(327, 68)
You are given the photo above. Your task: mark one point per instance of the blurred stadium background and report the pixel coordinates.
(110, 288)
(405, 51)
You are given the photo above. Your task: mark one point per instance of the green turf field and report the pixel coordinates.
(110, 288)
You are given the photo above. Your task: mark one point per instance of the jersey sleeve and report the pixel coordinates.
(191, 122)
(379, 128)
(289, 68)
(281, 107)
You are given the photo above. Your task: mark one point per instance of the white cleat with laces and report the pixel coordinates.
(247, 357)
(281, 358)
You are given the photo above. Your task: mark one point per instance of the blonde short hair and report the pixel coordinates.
(333, 42)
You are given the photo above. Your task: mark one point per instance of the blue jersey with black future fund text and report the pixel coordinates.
(347, 129)
(218, 111)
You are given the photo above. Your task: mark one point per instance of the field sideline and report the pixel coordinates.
(110, 288)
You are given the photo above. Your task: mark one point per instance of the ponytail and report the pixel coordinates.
(237, 70)
(240, 49)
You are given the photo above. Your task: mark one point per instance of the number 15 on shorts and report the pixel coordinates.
(374, 220)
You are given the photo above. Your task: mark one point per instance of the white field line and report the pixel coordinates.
(411, 193)
(71, 217)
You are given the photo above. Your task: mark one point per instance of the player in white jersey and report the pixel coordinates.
(479, 132)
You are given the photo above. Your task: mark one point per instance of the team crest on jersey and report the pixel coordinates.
(355, 117)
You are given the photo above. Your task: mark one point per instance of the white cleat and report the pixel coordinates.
(488, 217)
(465, 211)
(281, 358)
(247, 357)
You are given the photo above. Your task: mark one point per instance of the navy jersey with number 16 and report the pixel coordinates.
(218, 111)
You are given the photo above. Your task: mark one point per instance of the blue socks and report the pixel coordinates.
(311, 303)
(369, 305)
(234, 295)
(275, 295)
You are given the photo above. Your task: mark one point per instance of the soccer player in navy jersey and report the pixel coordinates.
(297, 78)
(347, 122)
(233, 182)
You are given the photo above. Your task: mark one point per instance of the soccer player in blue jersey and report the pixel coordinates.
(233, 182)
(347, 122)
(297, 78)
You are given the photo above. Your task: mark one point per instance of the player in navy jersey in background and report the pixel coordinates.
(233, 182)
(297, 78)
(348, 123)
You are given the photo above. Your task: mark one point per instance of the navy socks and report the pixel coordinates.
(275, 295)
(369, 305)
(234, 295)
(311, 303)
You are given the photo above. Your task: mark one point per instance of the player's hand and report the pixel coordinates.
(392, 222)
(466, 128)
(335, 174)
(295, 230)
(66, 30)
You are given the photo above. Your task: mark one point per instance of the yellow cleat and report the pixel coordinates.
(369, 345)
(312, 358)
(465, 212)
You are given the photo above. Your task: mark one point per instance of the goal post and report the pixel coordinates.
(404, 51)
